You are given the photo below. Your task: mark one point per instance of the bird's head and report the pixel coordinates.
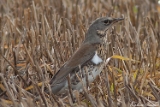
(99, 28)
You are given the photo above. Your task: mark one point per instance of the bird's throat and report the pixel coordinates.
(101, 33)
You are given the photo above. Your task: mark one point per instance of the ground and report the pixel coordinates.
(39, 36)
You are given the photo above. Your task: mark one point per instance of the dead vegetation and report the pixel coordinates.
(38, 36)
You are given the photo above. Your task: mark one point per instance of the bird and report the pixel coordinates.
(85, 56)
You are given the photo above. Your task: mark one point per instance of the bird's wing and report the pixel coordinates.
(81, 56)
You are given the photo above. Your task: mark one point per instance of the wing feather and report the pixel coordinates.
(81, 56)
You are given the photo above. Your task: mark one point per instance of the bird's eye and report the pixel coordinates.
(107, 22)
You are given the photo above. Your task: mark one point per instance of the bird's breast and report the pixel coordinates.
(96, 59)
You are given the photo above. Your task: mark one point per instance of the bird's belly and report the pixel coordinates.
(83, 80)
(79, 79)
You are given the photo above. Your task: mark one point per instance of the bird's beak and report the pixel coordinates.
(115, 20)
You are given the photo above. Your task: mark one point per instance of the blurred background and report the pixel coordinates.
(38, 36)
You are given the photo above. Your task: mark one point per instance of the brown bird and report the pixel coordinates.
(86, 55)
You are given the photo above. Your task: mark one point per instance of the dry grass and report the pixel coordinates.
(38, 36)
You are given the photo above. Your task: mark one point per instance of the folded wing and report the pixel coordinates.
(80, 57)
